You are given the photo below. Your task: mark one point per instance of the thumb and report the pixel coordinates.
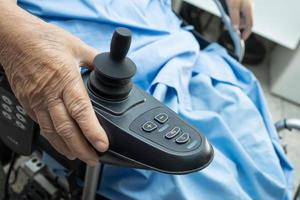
(87, 56)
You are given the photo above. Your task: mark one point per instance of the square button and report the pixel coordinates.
(161, 118)
(21, 110)
(6, 107)
(6, 115)
(6, 100)
(21, 118)
(20, 125)
(149, 126)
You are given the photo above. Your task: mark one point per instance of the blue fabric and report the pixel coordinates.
(207, 88)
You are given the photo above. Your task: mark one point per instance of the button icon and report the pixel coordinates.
(21, 118)
(175, 131)
(6, 115)
(20, 125)
(184, 138)
(6, 107)
(6, 100)
(161, 118)
(149, 126)
(21, 110)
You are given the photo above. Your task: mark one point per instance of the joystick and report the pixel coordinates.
(113, 70)
(143, 132)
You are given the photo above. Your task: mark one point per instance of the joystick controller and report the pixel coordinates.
(143, 132)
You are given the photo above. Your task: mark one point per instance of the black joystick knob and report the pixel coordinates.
(111, 78)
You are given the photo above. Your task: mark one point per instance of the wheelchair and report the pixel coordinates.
(92, 175)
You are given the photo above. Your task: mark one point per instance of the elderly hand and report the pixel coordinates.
(42, 64)
(241, 15)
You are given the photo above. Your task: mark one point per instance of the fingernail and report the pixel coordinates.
(71, 157)
(101, 146)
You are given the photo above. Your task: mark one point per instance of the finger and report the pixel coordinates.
(234, 12)
(247, 12)
(80, 108)
(71, 134)
(87, 56)
(50, 134)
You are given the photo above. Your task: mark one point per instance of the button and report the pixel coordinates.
(21, 110)
(161, 118)
(6, 107)
(20, 125)
(175, 131)
(21, 118)
(6, 100)
(184, 138)
(6, 115)
(149, 126)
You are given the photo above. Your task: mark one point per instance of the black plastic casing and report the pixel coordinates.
(18, 140)
(133, 147)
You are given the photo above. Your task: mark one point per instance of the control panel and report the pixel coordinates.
(166, 129)
(17, 128)
(12, 112)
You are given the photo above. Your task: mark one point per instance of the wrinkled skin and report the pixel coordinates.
(42, 64)
(241, 15)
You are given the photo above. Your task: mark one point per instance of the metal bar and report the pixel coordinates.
(289, 124)
(91, 182)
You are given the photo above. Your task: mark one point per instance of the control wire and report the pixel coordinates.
(11, 166)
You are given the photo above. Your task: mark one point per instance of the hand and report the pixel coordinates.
(42, 64)
(241, 15)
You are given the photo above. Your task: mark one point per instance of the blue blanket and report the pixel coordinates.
(207, 88)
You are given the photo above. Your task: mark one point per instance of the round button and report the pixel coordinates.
(184, 138)
(173, 133)
(20, 125)
(21, 110)
(161, 118)
(6, 107)
(21, 118)
(6, 100)
(149, 126)
(6, 115)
